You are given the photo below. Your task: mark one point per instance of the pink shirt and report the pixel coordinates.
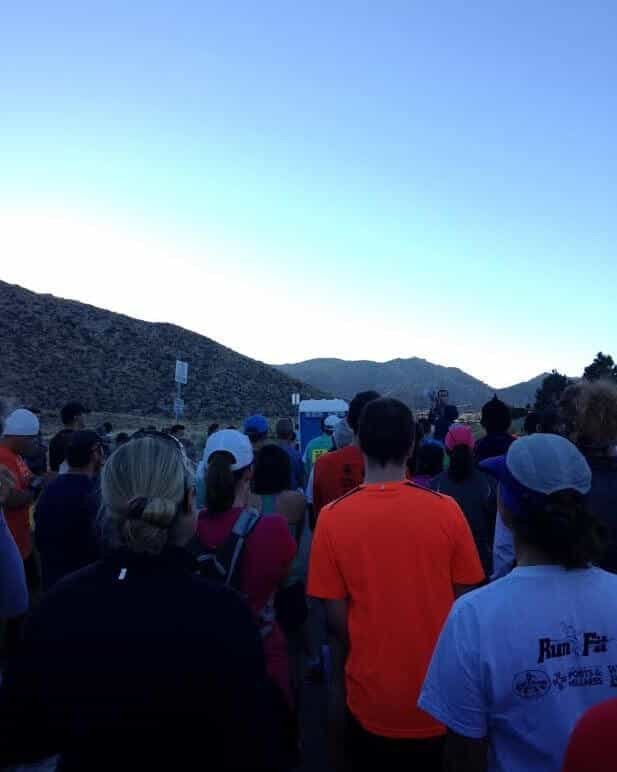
(266, 561)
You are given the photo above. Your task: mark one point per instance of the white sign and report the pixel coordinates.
(178, 406)
(295, 399)
(182, 372)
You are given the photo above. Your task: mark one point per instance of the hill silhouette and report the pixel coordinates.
(407, 379)
(53, 350)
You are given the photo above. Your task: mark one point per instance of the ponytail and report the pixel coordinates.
(461, 463)
(564, 530)
(221, 482)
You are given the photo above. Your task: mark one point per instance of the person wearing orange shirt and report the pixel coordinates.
(341, 471)
(389, 560)
(21, 427)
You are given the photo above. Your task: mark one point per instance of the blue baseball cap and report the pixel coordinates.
(534, 468)
(256, 424)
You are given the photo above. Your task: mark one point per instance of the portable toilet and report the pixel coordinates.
(311, 413)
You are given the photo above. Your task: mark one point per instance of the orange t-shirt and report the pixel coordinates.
(336, 474)
(394, 550)
(18, 520)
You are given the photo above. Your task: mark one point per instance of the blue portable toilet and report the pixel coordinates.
(311, 413)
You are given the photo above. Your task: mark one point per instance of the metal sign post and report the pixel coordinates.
(181, 378)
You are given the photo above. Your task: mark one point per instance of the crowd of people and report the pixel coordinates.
(453, 594)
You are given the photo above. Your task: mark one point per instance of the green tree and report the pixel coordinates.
(548, 394)
(602, 366)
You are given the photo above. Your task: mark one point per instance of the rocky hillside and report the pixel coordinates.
(408, 379)
(54, 350)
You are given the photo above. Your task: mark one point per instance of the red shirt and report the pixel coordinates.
(336, 474)
(18, 520)
(266, 561)
(593, 744)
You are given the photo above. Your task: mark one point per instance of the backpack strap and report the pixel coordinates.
(225, 559)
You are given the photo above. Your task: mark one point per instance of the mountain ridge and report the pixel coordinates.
(408, 379)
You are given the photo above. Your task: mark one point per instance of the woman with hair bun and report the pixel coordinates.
(520, 660)
(136, 662)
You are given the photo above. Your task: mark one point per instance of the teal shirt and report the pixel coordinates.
(315, 448)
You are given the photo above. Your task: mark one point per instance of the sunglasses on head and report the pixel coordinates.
(189, 485)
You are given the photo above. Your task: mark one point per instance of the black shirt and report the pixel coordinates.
(495, 444)
(57, 448)
(65, 518)
(137, 663)
(602, 501)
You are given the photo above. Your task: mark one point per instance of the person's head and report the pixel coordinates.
(177, 431)
(430, 458)
(147, 495)
(108, 427)
(328, 425)
(72, 416)
(459, 445)
(272, 472)
(228, 459)
(256, 428)
(496, 417)
(594, 424)
(386, 432)
(121, 438)
(343, 435)
(84, 452)
(285, 430)
(543, 422)
(212, 429)
(21, 429)
(543, 481)
(356, 406)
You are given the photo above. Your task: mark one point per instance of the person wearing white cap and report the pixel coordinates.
(520, 660)
(263, 561)
(20, 429)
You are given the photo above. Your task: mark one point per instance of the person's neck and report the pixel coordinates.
(88, 471)
(528, 555)
(376, 473)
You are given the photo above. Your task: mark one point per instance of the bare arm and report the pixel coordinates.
(465, 754)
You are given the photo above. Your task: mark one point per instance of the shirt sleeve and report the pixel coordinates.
(452, 692)
(13, 588)
(466, 567)
(325, 578)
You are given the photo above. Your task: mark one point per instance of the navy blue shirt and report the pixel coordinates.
(137, 663)
(492, 445)
(297, 466)
(602, 501)
(65, 519)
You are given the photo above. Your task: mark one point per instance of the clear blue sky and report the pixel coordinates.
(328, 178)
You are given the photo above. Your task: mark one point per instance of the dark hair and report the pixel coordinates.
(108, 427)
(176, 428)
(272, 472)
(80, 448)
(532, 420)
(212, 429)
(412, 461)
(496, 416)
(71, 411)
(386, 430)
(357, 405)
(221, 482)
(121, 438)
(543, 421)
(285, 429)
(461, 463)
(430, 459)
(563, 529)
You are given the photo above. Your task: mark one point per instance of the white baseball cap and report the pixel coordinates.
(331, 422)
(21, 423)
(233, 442)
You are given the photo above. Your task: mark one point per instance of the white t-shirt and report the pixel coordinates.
(520, 660)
